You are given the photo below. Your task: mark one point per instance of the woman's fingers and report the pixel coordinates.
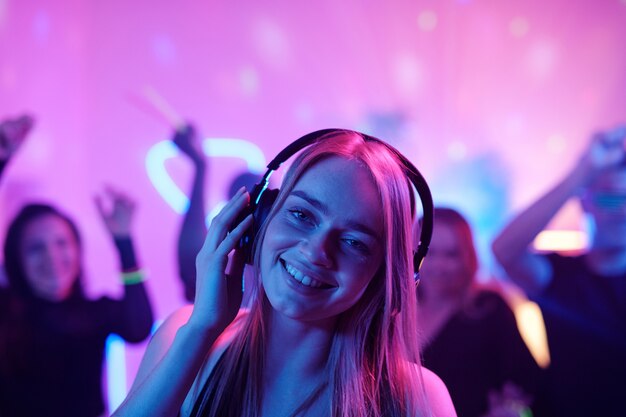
(237, 263)
(218, 297)
(232, 239)
(222, 222)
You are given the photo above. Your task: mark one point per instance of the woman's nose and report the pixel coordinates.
(318, 249)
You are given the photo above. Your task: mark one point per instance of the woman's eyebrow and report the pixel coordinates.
(311, 200)
(360, 227)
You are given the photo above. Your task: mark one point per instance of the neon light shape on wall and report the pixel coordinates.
(213, 148)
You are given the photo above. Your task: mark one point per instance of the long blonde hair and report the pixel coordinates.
(373, 365)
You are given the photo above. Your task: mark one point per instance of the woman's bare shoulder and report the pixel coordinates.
(437, 395)
(161, 341)
(164, 336)
(224, 340)
(218, 348)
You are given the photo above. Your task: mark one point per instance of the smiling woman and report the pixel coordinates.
(331, 328)
(52, 337)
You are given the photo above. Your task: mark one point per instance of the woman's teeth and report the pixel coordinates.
(301, 278)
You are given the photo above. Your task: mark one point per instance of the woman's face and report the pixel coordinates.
(324, 245)
(50, 257)
(446, 269)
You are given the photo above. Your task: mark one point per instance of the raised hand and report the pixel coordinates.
(116, 210)
(510, 401)
(186, 138)
(218, 293)
(605, 150)
(12, 135)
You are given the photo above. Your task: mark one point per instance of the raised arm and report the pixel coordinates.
(193, 229)
(511, 247)
(131, 317)
(170, 365)
(13, 132)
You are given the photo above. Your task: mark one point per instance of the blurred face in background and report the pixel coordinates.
(50, 257)
(448, 268)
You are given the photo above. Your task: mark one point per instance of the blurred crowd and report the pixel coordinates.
(52, 336)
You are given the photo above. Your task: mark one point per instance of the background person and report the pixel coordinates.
(52, 338)
(193, 228)
(582, 298)
(470, 334)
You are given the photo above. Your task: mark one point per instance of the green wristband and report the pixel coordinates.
(133, 277)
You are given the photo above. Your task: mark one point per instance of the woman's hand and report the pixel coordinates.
(12, 135)
(510, 401)
(219, 294)
(605, 150)
(117, 212)
(186, 139)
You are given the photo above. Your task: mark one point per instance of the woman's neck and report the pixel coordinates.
(297, 346)
(296, 355)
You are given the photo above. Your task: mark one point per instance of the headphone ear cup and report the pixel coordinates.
(261, 211)
(418, 259)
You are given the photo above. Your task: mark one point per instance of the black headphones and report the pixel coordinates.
(262, 198)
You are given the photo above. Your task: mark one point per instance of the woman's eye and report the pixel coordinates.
(34, 249)
(299, 215)
(356, 244)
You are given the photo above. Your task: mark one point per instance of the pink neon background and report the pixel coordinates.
(493, 100)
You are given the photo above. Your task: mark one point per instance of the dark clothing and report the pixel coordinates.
(479, 350)
(585, 316)
(51, 353)
(3, 165)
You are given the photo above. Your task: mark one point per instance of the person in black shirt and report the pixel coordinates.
(470, 333)
(52, 337)
(582, 298)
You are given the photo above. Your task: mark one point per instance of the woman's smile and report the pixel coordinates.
(303, 278)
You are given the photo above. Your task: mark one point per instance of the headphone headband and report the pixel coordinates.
(412, 173)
